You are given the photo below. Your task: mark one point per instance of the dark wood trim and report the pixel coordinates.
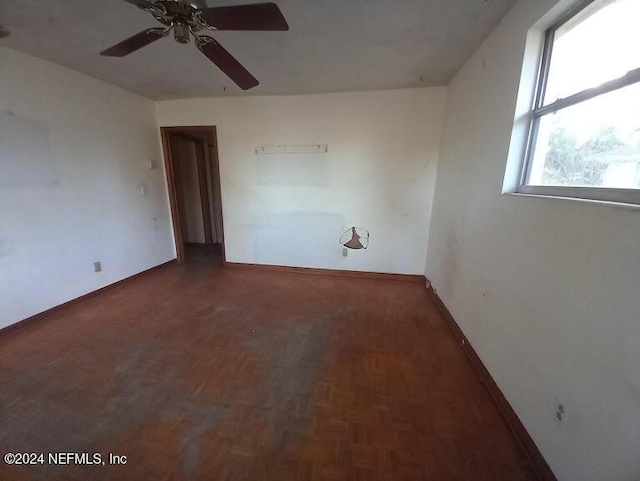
(183, 136)
(330, 272)
(509, 415)
(165, 134)
(204, 191)
(205, 129)
(200, 146)
(30, 321)
(216, 181)
(179, 185)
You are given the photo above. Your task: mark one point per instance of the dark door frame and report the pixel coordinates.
(202, 181)
(166, 133)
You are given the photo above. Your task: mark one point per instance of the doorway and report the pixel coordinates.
(193, 178)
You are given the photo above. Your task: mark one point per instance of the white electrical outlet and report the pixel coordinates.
(345, 252)
(143, 190)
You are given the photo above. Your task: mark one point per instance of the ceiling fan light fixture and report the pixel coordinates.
(181, 32)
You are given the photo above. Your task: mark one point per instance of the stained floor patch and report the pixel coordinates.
(196, 372)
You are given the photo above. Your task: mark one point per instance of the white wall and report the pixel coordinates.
(379, 174)
(547, 290)
(88, 205)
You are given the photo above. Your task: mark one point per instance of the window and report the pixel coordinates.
(585, 131)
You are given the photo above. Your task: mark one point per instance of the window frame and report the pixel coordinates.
(539, 110)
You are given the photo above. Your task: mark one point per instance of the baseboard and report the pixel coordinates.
(29, 321)
(330, 272)
(511, 418)
(509, 415)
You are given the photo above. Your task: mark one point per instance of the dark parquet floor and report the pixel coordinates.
(197, 372)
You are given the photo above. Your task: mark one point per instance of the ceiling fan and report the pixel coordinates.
(188, 18)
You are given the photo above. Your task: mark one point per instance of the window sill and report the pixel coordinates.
(608, 203)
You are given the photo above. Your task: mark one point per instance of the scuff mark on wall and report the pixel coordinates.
(293, 169)
(25, 154)
(298, 238)
(6, 248)
(449, 259)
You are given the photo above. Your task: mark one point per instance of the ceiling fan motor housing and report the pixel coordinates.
(174, 7)
(183, 17)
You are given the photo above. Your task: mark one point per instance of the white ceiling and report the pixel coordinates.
(332, 46)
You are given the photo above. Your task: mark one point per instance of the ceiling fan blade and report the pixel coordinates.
(256, 16)
(134, 43)
(226, 62)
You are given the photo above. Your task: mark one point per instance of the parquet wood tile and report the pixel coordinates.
(197, 372)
